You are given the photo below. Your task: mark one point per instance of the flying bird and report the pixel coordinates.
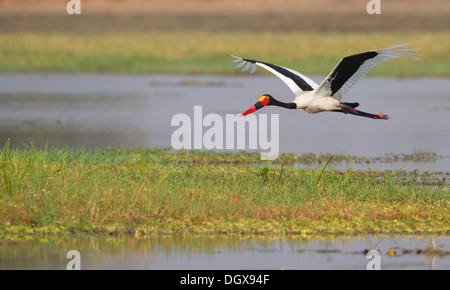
(315, 98)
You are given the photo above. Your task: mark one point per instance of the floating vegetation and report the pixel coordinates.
(429, 251)
(426, 178)
(195, 157)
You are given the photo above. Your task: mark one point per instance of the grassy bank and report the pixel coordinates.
(181, 52)
(145, 191)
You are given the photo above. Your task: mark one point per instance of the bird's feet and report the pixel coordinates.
(364, 114)
(381, 116)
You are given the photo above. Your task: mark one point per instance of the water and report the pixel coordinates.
(97, 111)
(199, 252)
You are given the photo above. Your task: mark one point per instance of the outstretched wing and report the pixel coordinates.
(352, 68)
(293, 79)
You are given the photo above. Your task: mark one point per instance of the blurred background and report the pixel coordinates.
(196, 36)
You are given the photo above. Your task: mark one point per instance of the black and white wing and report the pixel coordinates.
(352, 68)
(293, 79)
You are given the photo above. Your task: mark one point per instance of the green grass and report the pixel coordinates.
(181, 52)
(147, 191)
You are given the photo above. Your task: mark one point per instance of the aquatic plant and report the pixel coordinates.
(161, 191)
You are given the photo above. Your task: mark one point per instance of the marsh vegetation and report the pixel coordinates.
(149, 191)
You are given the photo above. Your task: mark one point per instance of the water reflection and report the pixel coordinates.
(236, 252)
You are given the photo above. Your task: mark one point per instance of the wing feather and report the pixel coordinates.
(296, 81)
(246, 66)
(352, 68)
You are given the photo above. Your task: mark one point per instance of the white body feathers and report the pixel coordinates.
(326, 96)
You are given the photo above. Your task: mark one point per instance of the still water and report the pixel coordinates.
(97, 111)
(197, 252)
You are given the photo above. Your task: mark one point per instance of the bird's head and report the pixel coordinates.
(265, 100)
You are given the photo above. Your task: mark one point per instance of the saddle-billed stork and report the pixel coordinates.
(315, 98)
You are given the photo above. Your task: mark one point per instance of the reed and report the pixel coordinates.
(151, 191)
